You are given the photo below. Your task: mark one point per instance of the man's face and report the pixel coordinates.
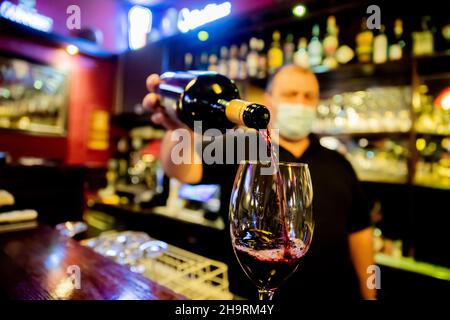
(293, 86)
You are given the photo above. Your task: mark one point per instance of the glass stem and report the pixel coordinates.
(265, 294)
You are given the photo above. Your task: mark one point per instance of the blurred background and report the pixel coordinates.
(76, 144)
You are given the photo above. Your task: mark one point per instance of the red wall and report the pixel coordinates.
(92, 87)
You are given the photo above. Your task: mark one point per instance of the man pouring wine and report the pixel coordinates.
(341, 252)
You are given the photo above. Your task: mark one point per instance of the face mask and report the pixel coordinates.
(294, 120)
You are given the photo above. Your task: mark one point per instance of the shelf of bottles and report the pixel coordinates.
(257, 60)
(32, 97)
(371, 126)
(433, 165)
(432, 111)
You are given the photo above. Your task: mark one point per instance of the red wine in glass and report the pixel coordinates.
(268, 236)
(264, 257)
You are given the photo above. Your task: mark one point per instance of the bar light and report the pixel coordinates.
(140, 24)
(27, 16)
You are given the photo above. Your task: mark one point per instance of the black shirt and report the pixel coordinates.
(339, 208)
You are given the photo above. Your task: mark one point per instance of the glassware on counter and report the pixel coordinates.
(128, 248)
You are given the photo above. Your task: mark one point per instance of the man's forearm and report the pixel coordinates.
(179, 158)
(362, 255)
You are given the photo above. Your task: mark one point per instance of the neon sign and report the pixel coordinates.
(26, 15)
(189, 20)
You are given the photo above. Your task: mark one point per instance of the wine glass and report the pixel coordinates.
(271, 221)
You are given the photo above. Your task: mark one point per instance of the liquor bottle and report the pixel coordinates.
(188, 59)
(252, 58)
(262, 60)
(233, 63)
(212, 63)
(275, 54)
(243, 51)
(203, 61)
(301, 57)
(223, 62)
(211, 98)
(396, 49)
(423, 41)
(315, 49)
(380, 47)
(331, 43)
(364, 42)
(288, 49)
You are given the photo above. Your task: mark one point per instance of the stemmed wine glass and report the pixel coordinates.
(271, 221)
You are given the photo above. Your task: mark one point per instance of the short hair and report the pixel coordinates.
(269, 85)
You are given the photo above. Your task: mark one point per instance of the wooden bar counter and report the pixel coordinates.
(36, 265)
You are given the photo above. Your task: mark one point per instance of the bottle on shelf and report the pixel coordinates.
(301, 57)
(223, 61)
(288, 49)
(331, 43)
(243, 52)
(423, 41)
(275, 54)
(380, 47)
(212, 63)
(262, 60)
(364, 43)
(397, 48)
(233, 63)
(211, 98)
(252, 58)
(203, 65)
(188, 60)
(315, 49)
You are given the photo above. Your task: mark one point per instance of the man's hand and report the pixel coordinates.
(362, 255)
(185, 172)
(151, 102)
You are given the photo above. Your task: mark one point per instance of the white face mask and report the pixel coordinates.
(294, 120)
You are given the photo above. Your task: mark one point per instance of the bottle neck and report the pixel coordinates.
(244, 113)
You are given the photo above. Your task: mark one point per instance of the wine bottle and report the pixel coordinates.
(243, 51)
(211, 98)
(262, 60)
(301, 57)
(423, 41)
(397, 48)
(212, 63)
(275, 54)
(331, 43)
(315, 49)
(380, 47)
(364, 43)
(223, 62)
(233, 63)
(252, 58)
(288, 49)
(188, 59)
(203, 61)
